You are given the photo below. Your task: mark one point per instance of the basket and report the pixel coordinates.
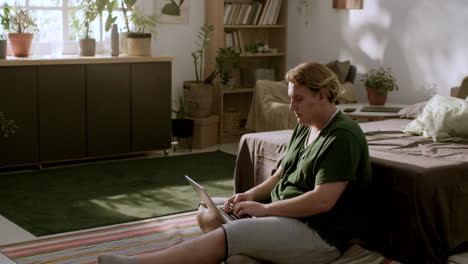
(231, 122)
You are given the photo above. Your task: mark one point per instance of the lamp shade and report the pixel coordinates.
(348, 4)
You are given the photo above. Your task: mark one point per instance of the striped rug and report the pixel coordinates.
(136, 238)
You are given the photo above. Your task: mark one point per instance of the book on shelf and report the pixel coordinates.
(258, 12)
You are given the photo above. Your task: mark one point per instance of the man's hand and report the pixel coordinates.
(250, 208)
(235, 199)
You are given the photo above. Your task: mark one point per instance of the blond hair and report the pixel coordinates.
(316, 77)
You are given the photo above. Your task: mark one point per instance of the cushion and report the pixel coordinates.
(443, 118)
(462, 92)
(412, 111)
(347, 94)
(340, 68)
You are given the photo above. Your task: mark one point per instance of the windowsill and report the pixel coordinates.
(75, 59)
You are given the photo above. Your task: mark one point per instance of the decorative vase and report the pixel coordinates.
(3, 49)
(87, 47)
(114, 41)
(374, 98)
(200, 97)
(21, 43)
(139, 44)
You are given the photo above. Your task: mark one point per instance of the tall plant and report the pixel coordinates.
(126, 6)
(91, 10)
(202, 43)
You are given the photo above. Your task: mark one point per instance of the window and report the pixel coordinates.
(57, 34)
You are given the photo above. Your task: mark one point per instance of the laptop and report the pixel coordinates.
(209, 202)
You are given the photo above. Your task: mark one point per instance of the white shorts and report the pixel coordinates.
(277, 239)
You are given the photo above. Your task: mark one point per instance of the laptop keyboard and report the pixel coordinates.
(232, 216)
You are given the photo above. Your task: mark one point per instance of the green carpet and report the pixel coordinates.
(73, 198)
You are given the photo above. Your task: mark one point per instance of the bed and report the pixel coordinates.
(421, 188)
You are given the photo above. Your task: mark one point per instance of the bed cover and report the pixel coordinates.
(421, 188)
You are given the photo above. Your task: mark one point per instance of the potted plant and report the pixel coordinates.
(5, 26)
(91, 9)
(226, 61)
(139, 39)
(200, 92)
(7, 127)
(379, 82)
(21, 26)
(182, 127)
(126, 6)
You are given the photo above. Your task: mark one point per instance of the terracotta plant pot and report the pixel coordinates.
(139, 44)
(374, 98)
(87, 47)
(21, 43)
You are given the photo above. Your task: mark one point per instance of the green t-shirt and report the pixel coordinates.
(339, 153)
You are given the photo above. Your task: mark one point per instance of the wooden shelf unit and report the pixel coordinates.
(275, 36)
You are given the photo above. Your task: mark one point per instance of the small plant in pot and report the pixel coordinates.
(226, 61)
(182, 127)
(379, 82)
(21, 25)
(144, 28)
(89, 10)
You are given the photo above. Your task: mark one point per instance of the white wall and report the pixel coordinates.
(423, 41)
(178, 41)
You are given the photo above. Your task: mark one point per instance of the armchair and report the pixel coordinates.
(270, 107)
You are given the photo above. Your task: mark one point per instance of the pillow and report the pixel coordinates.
(347, 94)
(412, 111)
(462, 92)
(443, 118)
(340, 68)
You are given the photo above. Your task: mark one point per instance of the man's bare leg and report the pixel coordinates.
(208, 248)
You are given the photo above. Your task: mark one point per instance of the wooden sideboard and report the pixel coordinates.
(74, 108)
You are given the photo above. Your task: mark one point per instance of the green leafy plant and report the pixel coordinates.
(110, 6)
(91, 9)
(184, 108)
(7, 127)
(198, 55)
(21, 21)
(5, 19)
(226, 60)
(127, 6)
(143, 23)
(381, 79)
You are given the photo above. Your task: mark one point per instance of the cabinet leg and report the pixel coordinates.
(166, 152)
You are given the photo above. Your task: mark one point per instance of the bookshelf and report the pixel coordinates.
(244, 30)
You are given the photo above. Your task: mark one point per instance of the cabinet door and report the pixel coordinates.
(108, 109)
(18, 101)
(62, 112)
(151, 106)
